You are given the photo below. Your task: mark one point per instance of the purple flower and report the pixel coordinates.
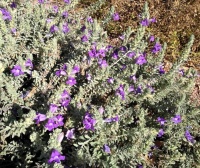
(88, 77)
(71, 81)
(50, 124)
(40, 1)
(6, 14)
(48, 20)
(93, 52)
(54, 122)
(83, 28)
(102, 52)
(156, 48)
(109, 47)
(139, 166)
(113, 119)
(123, 49)
(53, 29)
(150, 154)
(131, 54)
(133, 77)
(160, 133)
(115, 54)
(120, 92)
(84, 38)
(138, 90)
(60, 137)
(65, 94)
(145, 22)
(161, 70)
(40, 117)
(101, 110)
(123, 67)
(152, 38)
(110, 80)
(141, 60)
(64, 102)
(70, 134)
(24, 95)
(181, 72)
(13, 30)
(13, 5)
(176, 119)
(53, 108)
(61, 71)
(89, 122)
(90, 20)
(189, 137)
(122, 37)
(67, 1)
(55, 8)
(58, 121)
(75, 69)
(65, 14)
(153, 20)
(56, 157)
(106, 148)
(102, 63)
(17, 70)
(151, 88)
(115, 16)
(131, 89)
(161, 120)
(65, 28)
(29, 63)
(108, 120)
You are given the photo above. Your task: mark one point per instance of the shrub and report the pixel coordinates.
(69, 99)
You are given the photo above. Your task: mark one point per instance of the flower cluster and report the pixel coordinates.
(65, 99)
(89, 122)
(54, 122)
(17, 69)
(62, 72)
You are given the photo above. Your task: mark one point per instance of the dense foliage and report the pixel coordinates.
(68, 98)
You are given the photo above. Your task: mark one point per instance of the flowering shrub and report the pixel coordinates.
(69, 99)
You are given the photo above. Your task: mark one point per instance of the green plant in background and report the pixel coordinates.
(70, 99)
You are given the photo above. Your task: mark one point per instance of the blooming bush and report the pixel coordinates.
(69, 99)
